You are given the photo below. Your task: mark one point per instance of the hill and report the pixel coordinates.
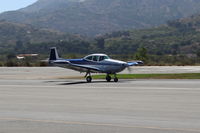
(176, 38)
(92, 17)
(14, 36)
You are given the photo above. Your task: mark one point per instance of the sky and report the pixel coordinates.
(8, 5)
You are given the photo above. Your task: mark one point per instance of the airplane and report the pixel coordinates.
(94, 63)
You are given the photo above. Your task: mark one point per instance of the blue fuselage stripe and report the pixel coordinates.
(85, 62)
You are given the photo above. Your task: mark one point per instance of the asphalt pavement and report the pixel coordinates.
(58, 73)
(73, 106)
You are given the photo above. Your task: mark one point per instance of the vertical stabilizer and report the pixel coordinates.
(53, 54)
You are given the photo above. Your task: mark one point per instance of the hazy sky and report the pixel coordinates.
(7, 5)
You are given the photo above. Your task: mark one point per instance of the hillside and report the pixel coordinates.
(180, 37)
(19, 36)
(177, 42)
(177, 37)
(92, 17)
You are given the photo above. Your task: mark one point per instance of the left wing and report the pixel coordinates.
(85, 68)
(77, 67)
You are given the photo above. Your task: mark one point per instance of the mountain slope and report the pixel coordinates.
(92, 17)
(180, 37)
(20, 35)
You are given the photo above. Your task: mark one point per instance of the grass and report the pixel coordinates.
(154, 76)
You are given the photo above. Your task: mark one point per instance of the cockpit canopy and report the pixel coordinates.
(96, 57)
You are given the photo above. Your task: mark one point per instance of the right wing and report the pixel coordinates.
(135, 63)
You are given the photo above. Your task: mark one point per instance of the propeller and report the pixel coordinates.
(134, 63)
(129, 69)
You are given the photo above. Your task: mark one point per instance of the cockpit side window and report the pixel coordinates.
(106, 57)
(103, 58)
(95, 58)
(89, 58)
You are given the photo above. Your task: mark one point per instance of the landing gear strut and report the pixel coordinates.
(88, 78)
(115, 78)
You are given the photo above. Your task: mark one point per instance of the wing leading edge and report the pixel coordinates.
(135, 63)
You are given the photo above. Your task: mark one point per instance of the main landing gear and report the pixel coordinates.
(108, 78)
(88, 78)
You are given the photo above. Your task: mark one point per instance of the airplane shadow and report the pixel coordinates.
(84, 82)
(81, 82)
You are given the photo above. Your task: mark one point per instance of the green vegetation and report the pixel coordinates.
(153, 76)
(176, 43)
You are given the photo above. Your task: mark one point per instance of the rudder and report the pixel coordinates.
(53, 54)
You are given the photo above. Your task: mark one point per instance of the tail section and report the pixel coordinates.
(53, 54)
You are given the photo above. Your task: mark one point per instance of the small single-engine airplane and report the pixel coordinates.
(94, 63)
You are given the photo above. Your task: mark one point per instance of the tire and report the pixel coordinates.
(108, 78)
(116, 80)
(89, 79)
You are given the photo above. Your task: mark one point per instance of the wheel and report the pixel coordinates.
(89, 79)
(108, 78)
(115, 79)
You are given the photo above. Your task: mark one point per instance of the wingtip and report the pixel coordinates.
(140, 62)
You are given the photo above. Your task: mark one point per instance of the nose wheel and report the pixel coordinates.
(115, 78)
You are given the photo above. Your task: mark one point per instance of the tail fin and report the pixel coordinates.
(53, 54)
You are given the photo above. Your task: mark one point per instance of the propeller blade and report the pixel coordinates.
(129, 69)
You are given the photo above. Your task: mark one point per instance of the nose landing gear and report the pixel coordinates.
(115, 78)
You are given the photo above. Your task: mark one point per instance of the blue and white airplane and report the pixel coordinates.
(94, 63)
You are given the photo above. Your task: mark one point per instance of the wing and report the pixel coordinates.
(135, 63)
(84, 68)
(76, 67)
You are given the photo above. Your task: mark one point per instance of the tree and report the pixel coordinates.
(100, 42)
(11, 56)
(141, 54)
(198, 53)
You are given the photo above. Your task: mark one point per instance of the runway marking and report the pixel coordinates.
(99, 124)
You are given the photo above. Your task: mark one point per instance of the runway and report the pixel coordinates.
(73, 106)
(56, 73)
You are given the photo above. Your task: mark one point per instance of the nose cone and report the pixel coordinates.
(125, 64)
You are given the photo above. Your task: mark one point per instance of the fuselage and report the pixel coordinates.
(109, 66)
